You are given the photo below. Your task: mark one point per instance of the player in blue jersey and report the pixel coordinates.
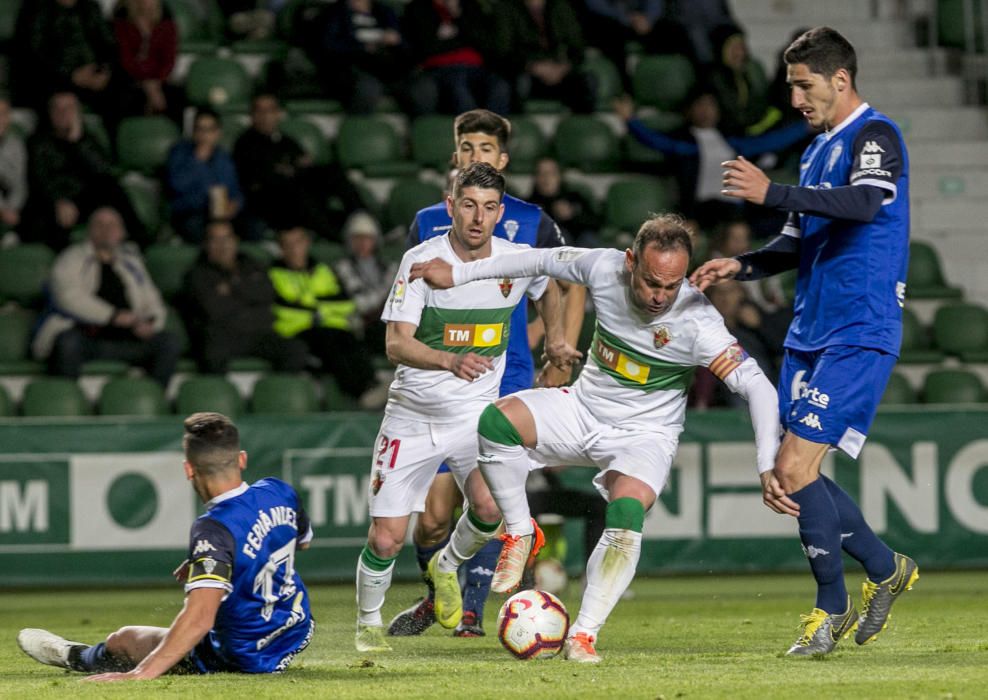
(246, 609)
(482, 136)
(848, 235)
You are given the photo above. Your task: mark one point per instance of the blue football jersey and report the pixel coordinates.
(852, 275)
(522, 223)
(245, 543)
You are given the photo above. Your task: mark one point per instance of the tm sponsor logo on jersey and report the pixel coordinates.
(811, 420)
(802, 390)
(265, 523)
(203, 546)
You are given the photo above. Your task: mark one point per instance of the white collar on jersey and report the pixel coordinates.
(850, 118)
(226, 495)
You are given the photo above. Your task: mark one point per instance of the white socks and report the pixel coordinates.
(609, 573)
(467, 539)
(505, 469)
(371, 588)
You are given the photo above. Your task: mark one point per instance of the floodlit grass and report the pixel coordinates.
(697, 637)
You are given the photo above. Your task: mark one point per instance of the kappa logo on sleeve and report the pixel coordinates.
(203, 546)
(871, 155)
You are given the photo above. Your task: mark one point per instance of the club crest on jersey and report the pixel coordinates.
(505, 286)
(511, 230)
(377, 481)
(661, 337)
(209, 565)
(834, 155)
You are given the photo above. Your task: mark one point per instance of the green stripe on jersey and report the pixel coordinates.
(481, 331)
(632, 369)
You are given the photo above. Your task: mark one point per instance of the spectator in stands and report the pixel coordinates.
(249, 19)
(147, 43)
(70, 174)
(698, 18)
(362, 54)
(67, 45)
(617, 22)
(540, 48)
(366, 276)
(700, 148)
(740, 86)
(450, 42)
(13, 172)
(202, 179)
(229, 307)
(279, 179)
(312, 306)
(104, 306)
(568, 206)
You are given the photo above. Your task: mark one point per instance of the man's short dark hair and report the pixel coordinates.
(207, 112)
(264, 95)
(824, 51)
(481, 175)
(483, 121)
(665, 232)
(211, 442)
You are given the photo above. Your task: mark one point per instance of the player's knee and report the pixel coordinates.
(792, 472)
(485, 509)
(429, 531)
(121, 642)
(384, 542)
(495, 427)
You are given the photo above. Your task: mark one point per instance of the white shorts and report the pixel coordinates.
(568, 434)
(407, 454)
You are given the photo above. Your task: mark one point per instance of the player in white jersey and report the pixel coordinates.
(625, 412)
(449, 347)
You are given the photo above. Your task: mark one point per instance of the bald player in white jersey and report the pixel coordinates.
(625, 412)
(450, 350)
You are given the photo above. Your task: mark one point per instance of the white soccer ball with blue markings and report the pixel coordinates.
(532, 624)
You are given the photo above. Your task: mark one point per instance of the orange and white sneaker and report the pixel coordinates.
(517, 553)
(580, 648)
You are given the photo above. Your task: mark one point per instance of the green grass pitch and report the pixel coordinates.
(698, 637)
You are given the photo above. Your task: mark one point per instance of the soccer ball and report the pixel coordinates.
(532, 624)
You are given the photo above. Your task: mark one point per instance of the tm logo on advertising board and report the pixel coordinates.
(87, 502)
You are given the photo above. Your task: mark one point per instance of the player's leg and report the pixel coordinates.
(430, 535)
(121, 651)
(612, 564)
(374, 572)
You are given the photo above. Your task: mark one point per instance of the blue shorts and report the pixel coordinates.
(830, 396)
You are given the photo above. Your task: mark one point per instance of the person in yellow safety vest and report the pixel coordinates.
(311, 305)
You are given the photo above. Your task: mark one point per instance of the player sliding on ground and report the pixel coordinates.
(246, 609)
(623, 415)
(450, 350)
(848, 235)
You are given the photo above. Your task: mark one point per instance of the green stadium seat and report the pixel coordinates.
(23, 273)
(200, 25)
(145, 198)
(372, 145)
(54, 396)
(143, 143)
(132, 396)
(167, 264)
(220, 83)
(175, 324)
(335, 399)
(208, 394)
(257, 250)
(104, 368)
(8, 20)
(953, 386)
(534, 105)
(432, 141)
(962, 330)
(915, 346)
(629, 202)
(924, 279)
(606, 76)
(309, 137)
(526, 145)
(407, 197)
(951, 30)
(586, 143)
(662, 81)
(637, 153)
(95, 128)
(248, 364)
(898, 391)
(284, 395)
(299, 106)
(15, 340)
(6, 403)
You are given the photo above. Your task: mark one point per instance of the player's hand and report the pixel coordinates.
(745, 180)
(437, 273)
(181, 574)
(552, 376)
(715, 271)
(470, 365)
(111, 677)
(775, 497)
(561, 354)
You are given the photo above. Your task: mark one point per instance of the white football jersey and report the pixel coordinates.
(639, 367)
(473, 318)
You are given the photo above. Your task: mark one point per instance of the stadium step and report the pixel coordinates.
(911, 91)
(956, 154)
(949, 183)
(938, 123)
(933, 214)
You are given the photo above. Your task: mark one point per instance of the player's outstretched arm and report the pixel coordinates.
(437, 273)
(559, 353)
(714, 272)
(404, 348)
(190, 625)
